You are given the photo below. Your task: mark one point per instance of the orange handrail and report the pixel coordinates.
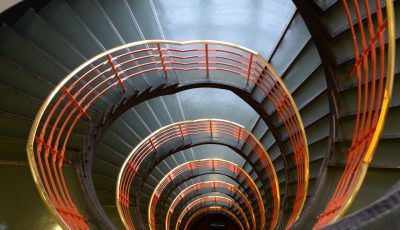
(216, 165)
(372, 104)
(204, 128)
(82, 94)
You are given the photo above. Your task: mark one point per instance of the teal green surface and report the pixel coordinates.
(21, 206)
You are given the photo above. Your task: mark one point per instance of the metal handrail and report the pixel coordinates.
(213, 208)
(209, 184)
(181, 130)
(204, 163)
(372, 105)
(80, 94)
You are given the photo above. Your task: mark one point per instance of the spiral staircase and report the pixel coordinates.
(268, 122)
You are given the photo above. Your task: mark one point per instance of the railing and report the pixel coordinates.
(213, 209)
(214, 164)
(97, 84)
(198, 128)
(209, 184)
(373, 100)
(217, 200)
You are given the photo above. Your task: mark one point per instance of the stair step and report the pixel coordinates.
(26, 106)
(335, 19)
(33, 27)
(121, 14)
(103, 31)
(392, 126)
(302, 67)
(105, 168)
(86, 42)
(68, 24)
(53, 44)
(96, 23)
(14, 126)
(298, 72)
(347, 84)
(293, 41)
(312, 88)
(115, 158)
(13, 149)
(342, 45)
(114, 141)
(32, 85)
(387, 153)
(101, 181)
(15, 48)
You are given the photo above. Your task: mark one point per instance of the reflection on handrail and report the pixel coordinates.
(217, 200)
(209, 184)
(213, 209)
(373, 100)
(98, 83)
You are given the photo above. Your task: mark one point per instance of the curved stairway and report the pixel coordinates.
(46, 42)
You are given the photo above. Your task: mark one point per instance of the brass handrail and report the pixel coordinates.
(190, 165)
(80, 90)
(369, 121)
(182, 129)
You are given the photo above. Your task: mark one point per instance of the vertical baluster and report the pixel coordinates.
(207, 64)
(249, 69)
(162, 60)
(116, 73)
